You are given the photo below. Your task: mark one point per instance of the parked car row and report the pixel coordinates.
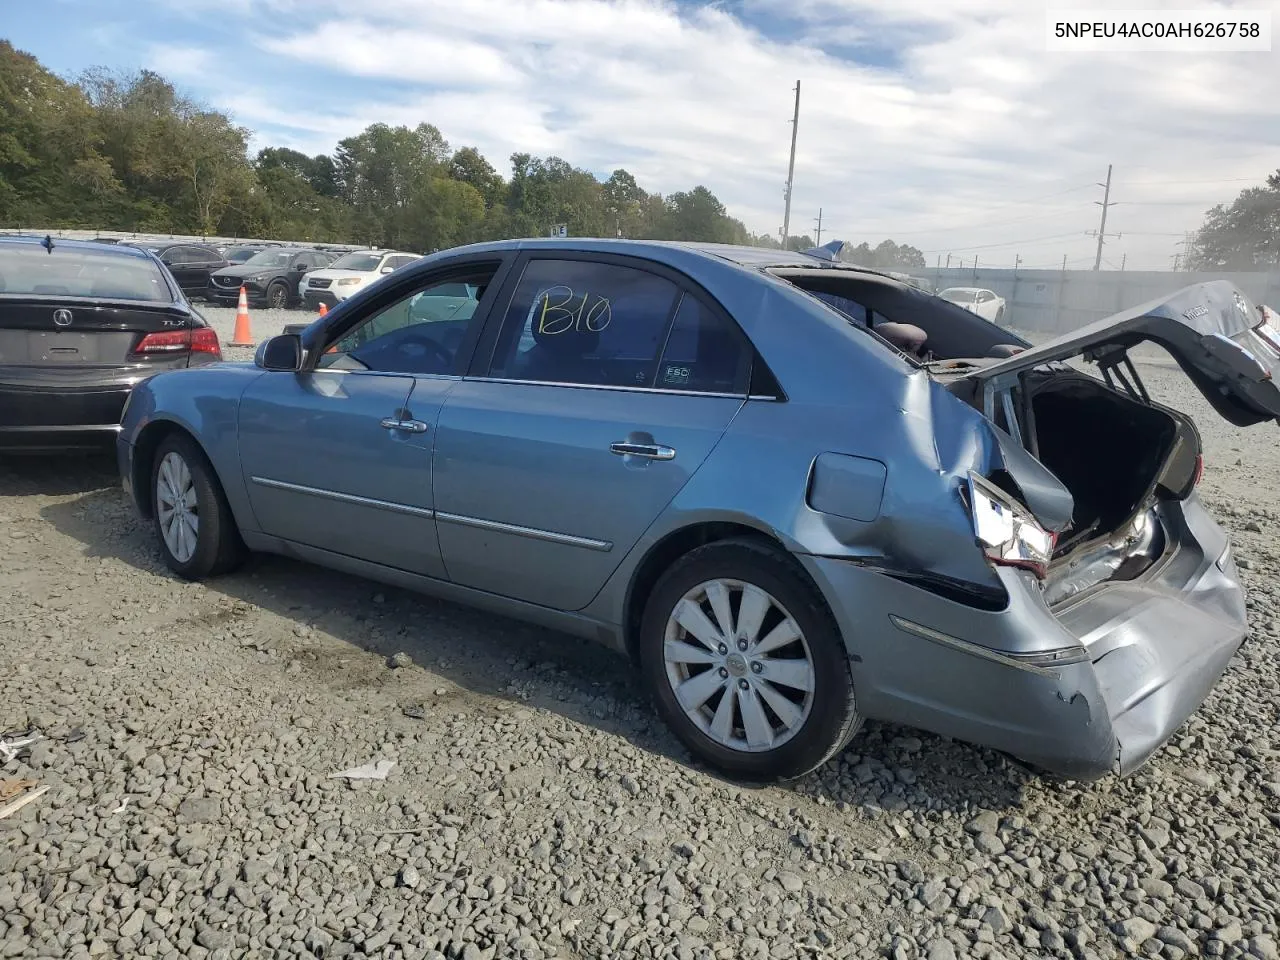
(274, 275)
(798, 493)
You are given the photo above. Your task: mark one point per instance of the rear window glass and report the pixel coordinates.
(358, 261)
(70, 272)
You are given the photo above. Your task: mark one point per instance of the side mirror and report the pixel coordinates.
(166, 261)
(388, 269)
(283, 352)
(299, 267)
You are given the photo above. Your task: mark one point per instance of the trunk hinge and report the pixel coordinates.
(1117, 367)
(1006, 402)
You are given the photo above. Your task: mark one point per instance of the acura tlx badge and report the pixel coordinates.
(62, 318)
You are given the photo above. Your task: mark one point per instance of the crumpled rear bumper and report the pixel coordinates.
(1156, 647)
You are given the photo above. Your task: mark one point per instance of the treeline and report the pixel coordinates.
(132, 153)
(1244, 235)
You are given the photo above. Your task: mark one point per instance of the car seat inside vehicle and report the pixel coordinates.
(889, 307)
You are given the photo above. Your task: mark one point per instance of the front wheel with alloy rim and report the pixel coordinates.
(194, 526)
(277, 296)
(746, 662)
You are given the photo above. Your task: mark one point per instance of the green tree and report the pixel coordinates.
(129, 151)
(1244, 235)
(51, 170)
(469, 166)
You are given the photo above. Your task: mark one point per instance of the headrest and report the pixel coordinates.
(905, 336)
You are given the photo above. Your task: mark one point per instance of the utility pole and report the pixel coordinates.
(1183, 259)
(1017, 262)
(791, 170)
(1064, 263)
(1123, 258)
(1102, 226)
(948, 261)
(819, 241)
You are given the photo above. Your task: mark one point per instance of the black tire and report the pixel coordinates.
(277, 296)
(218, 547)
(832, 719)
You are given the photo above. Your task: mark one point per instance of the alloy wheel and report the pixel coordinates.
(739, 665)
(176, 505)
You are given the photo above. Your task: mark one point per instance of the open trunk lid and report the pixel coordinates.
(1225, 344)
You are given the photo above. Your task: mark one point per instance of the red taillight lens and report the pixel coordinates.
(205, 340)
(1195, 479)
(168, 342)
(165, 341)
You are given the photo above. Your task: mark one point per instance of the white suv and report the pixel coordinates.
(349, 273)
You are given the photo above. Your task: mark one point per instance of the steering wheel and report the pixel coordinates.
(422, 340)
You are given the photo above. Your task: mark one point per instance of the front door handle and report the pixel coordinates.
(651, 451)
(408, 426)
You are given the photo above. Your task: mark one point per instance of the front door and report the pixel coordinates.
(609, 386)
(338, 456)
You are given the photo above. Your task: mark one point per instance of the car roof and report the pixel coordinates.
(968, 289)
(88, 246)
(756, 258)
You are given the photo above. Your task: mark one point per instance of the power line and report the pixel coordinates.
(1155, 183)
(1006, 243)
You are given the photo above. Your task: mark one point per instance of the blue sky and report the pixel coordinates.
(943, 123)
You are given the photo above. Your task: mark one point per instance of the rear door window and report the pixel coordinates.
(584, 322)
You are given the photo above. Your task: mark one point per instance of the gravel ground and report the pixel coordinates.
(263, 323)
(537, 808)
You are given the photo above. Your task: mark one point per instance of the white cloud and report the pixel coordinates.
(933, 140)
(180, 63)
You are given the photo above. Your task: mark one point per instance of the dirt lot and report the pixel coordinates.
(537, 808)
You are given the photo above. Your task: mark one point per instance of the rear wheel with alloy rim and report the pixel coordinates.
(746, 662)
(194, 526)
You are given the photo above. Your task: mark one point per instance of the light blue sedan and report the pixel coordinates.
(797, 493)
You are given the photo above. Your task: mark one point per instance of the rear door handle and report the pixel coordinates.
(652, 451)
(408, 426)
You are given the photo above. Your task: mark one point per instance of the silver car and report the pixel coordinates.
(797, 493)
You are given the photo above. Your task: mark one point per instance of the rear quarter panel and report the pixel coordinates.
(204, 402)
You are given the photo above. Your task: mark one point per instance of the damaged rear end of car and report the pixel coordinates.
(1126, 599)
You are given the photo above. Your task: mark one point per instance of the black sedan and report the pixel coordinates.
(190, 263)
(80, 324)
(270, 277)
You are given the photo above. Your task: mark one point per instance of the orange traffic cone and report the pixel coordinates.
(242, 337)
(323, 308)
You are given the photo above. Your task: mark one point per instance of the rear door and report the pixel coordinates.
(1224, 344)
(604, 388)
(202, 262)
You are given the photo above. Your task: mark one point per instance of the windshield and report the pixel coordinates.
(241, 254)
(959, 295)
(357, 261)
(269, 258)
(69, 272)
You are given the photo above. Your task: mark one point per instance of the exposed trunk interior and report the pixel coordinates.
(1107, 449)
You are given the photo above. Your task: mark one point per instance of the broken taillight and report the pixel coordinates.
(1007, 532)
